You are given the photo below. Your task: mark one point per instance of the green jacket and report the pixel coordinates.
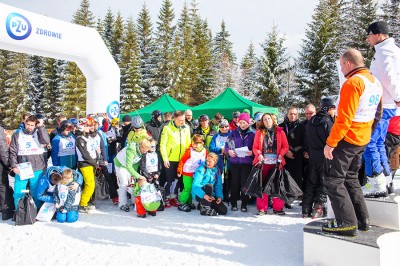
(129, 158)
(174, 142)
(136, 137)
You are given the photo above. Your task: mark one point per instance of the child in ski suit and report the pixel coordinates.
(194, 156)
(64, 198)
(207, 187)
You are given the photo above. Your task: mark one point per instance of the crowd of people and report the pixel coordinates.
(174, 160)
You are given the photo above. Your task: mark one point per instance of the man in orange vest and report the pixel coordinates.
(359, 99)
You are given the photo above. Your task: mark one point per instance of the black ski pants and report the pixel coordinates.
(342, 185)
(240, 173)
(220, 208)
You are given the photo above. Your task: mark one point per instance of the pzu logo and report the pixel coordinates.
(18, 26)
(113, 109)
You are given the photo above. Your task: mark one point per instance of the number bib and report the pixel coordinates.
(29, 144)
(62, 193)
(66, 146)
(151, 162)
(270, 158)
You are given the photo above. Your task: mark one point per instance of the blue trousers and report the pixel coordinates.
(69, 217)
(21, 185)
(375, 156)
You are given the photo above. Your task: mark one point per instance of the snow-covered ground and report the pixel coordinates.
(108, 236)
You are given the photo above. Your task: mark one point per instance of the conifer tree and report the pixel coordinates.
(75, 86)
(317, 74)
(359, 14)
(224, 64)
(203, 71)
(274, 66)
(36, 84)
(131, 89)
(100, 28)
(53, 88)
(164, 34)
(4, 76)
(391, 14)
(116, 40)
(249, 84)
(183, 58)
(108, 25)
(146, 46)
(15, 89)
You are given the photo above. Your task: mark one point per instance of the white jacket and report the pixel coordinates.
(386, 67)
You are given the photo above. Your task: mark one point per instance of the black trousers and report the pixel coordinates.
(220, 208)
(171, 175)
(314, 190)
(240, 173)
(342, 185)
(3, 185)
(226, 186)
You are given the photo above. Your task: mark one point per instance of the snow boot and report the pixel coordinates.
(333, 227)
(184, 207)
(207, 210)
(124, 208)
(363, 225)
(375, 186)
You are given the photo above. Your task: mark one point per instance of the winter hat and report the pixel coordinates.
(203, 117)
(246, 111)
(378, 27)
(224, 123)
(235, 114)
(258, 116)
(245, 117)
(126, 118)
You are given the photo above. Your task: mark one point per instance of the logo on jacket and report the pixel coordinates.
(18, 27)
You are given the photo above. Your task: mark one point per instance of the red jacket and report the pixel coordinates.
(282, 146)
(394, 125)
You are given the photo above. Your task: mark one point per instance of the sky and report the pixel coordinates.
(246, 21)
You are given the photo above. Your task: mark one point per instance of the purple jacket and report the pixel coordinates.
(237, 140)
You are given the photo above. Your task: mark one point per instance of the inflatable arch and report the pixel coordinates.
(27, 32)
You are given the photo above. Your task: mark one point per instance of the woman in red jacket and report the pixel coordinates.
(270, 145)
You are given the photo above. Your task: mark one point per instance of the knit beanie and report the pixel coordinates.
(245, 117)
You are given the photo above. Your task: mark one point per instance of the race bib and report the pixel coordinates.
(270, 158)
(66, 146)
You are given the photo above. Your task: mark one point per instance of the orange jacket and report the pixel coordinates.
(356, 133)
(185, 158)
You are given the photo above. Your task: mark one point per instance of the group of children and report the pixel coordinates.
(139, 165)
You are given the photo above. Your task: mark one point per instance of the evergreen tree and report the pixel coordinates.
(83, 16)
(183, 58)
(250, 75)
(163, 72)
(108, 25)
(274, 66)
(53, 83)
(359, 14)
(36, 84)
(131, 89)
(4, 76)
(75, 85)
(100, 28)
(117, 34)
(146, 45)
(203, 70)
(15, 89)
(391, 14)
(317, 74)
(224, 65)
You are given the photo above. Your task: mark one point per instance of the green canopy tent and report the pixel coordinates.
(165, 104)
(228, 102)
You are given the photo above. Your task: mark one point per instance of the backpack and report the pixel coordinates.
(26, 211)
(101, 189)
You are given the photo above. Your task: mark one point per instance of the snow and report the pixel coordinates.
(108, 236)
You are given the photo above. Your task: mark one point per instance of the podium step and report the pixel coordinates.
(383, 212)
(328, 249)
